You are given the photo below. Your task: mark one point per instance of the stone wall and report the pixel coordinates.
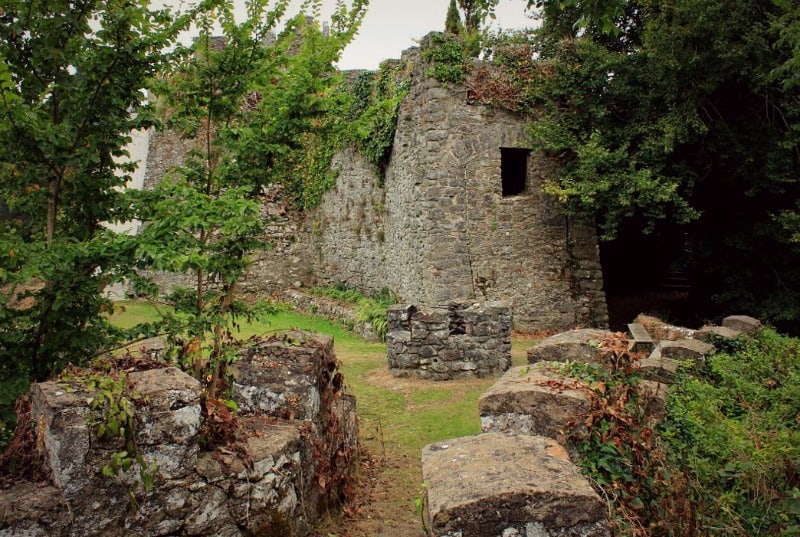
(296, 447)
(439, 228)
(454, 341)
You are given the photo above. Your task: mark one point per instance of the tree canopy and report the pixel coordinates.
(71, 81)
(679, 120)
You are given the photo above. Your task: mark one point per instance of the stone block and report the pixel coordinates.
(743, 323)
(658, 368)
(450, 336)
(709, 333)
(172, 410)
(655, 397)
(33, 510)
(662, 331)
(640, 340)
(493, 485)
(281, 376)
(581, 345)
(687, 349)
(533, 400)
(61, 416)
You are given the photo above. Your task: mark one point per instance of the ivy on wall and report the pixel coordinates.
(374, 108)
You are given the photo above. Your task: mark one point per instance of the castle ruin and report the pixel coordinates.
(459, 215)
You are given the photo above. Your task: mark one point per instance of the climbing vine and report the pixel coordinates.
(374, 107)
(447, 58)
(112, 419)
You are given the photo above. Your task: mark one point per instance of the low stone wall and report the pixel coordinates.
(516, 479)
(494, 485)
(333, 309)
(453, 341)
(296, 447)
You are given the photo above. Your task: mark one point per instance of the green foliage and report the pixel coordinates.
(476, 12)
(725, 455)
(447, 56)
(681, 121)
(615, 439)
(71, 80)
(374, 107)
(113, 421)
(452, 23)
(734, 429)
(260, 114)
(368, 309)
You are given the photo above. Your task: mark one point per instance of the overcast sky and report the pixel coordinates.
(392, 26)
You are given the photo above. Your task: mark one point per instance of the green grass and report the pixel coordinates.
(404, 414)
(397, 417)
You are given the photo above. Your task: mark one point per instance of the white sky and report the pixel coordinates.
(392, 26)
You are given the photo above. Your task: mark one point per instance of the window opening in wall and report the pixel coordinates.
(513, 169)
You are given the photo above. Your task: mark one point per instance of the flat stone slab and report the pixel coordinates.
(709, 333)
(658, 368)
(641, 340)
(534, 399)
(743, 323)
(687, 349)
(662, 331)
(581, 345)
(495, 485)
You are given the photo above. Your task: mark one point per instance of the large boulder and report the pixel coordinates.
(687, 349)
(535, 399)
(495, 485)
(743, 323)
(580, 345)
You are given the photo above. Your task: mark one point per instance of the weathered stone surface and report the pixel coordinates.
(687, 349)
(655, 396)
(743, 323)
(533, 400)
(662, 331)
(278, 377)
(640, 340)
(33, 510)
(658, 368)
(265, 481)
(170, 419)
(61, 413)
(581, 345)
(709, 333)
(492, 485)
(456, 341)
(276, 481)
(438, 227)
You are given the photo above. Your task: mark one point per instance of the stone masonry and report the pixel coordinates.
(516, 479)
(289, 462)
(455, 341)
(438, 227)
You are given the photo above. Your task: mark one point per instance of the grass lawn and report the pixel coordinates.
(397, 418)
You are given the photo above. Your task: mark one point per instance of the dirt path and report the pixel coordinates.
(389, 488)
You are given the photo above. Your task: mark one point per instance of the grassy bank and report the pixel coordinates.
(397, 417)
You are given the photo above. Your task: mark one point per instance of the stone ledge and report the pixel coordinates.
(580, 345)
(534, 400)
(494, 485)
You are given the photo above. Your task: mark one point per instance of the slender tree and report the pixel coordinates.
(452, 24)
(71, 81)
(250, 101)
